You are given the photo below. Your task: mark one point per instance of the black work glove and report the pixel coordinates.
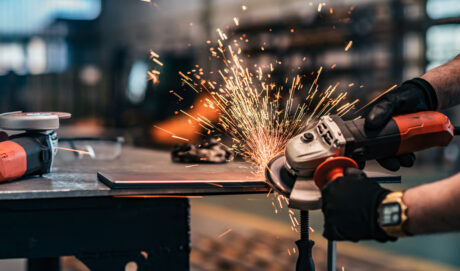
(412, 96)
(350, 208)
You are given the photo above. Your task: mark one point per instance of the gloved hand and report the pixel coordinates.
(350, 208)
(412, 96)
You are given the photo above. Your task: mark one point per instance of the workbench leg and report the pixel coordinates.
(44, 264)
(331, 256)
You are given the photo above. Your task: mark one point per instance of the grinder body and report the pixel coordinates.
(31, 152)
(27, 154)
(333, 137)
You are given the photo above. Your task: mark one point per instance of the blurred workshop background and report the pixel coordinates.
(91, 57)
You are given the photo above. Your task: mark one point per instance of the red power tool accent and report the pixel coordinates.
(13, 161)
(417, 131)
(32, 151)
(423, 130)
(332, 169)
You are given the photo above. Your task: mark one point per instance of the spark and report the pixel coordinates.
(171, 133)
(158, 61)
(74, 150)
(236, 20)
(320, 6)
(153, 54)
(224, 233)
(243, 7)
(216, 184)
(376, 98)
(259, 115)
(153, 75)
(177, 95)
(348, 45)
(194, 165)
(181, 138)
(164, 130)
(269, 191)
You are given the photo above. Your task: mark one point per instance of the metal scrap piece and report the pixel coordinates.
(209, 151)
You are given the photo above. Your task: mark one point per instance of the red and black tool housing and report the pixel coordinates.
(24, 155)
(402, 134)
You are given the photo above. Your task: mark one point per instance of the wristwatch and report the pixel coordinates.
(392, 215)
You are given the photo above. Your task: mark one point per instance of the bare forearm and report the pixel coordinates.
(434, 207)
(445, 79)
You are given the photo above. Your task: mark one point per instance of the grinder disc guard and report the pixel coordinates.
(302, 193)
(278, 177)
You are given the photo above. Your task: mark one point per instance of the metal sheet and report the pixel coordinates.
(191, 183)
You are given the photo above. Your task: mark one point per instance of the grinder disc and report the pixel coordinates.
(32, 120)
(278, 177)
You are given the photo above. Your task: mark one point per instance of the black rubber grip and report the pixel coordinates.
(39, 153)
(364, 144)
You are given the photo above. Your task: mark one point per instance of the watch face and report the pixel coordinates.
(390, 214)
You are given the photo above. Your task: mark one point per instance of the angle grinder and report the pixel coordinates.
(32, 151)
(322, 152)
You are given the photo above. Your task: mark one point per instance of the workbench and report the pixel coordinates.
(70, 212)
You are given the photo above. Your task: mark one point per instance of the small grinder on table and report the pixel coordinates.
(31, 152)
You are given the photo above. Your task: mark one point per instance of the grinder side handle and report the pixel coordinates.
(332, 169)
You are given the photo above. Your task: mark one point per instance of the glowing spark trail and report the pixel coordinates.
(348, 45)
(224, 233)
(259, 115)
(376, 98)
(73, 150)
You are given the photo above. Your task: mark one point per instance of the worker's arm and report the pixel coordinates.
(351, 204)
(434, 207)
(445, 80)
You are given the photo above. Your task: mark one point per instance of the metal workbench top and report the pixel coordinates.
(78, 178)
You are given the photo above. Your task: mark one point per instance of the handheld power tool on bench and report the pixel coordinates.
(32, 151)
(322, 152)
